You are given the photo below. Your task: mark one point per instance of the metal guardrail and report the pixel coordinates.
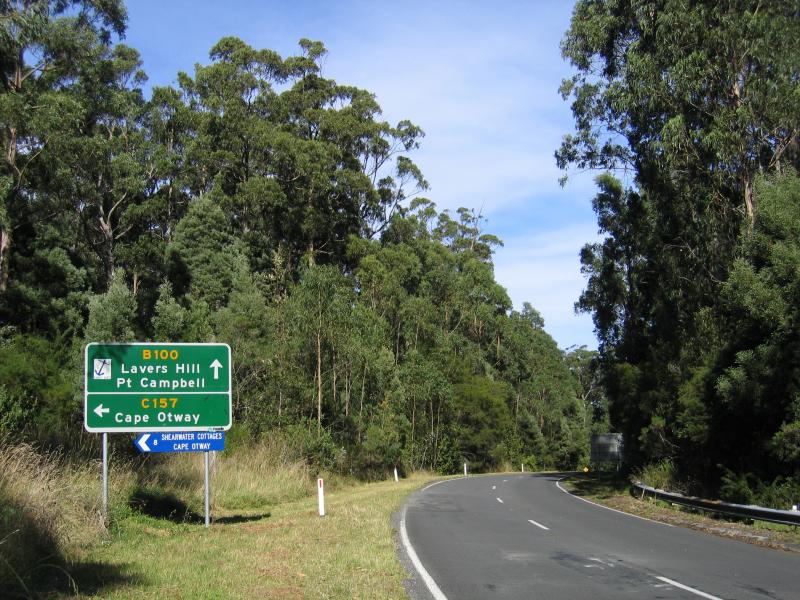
(786, 517)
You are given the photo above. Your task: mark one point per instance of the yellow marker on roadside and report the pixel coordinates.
(585, 469)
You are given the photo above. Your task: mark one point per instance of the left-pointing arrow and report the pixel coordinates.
(100, 411)
(141, 442)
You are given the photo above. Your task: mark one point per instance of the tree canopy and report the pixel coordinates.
(695, 104)
(260, 204)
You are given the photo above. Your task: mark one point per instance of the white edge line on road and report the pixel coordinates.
(426, 577)
(430, 485)
(688, 589)
(558, 484)
(500, 501)
(539, 525)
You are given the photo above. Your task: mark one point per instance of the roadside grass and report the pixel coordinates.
(599, 485)
(275, 551)
(45, 507)
(266, 539)
(613, 490)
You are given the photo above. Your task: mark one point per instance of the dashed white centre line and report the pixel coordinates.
(494, 487)
(500, 501)
(539, 525)
(688, 589)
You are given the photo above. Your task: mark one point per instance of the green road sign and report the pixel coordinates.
(157, 387)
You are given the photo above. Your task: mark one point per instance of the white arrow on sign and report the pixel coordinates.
(100, 411)
(216, 365)
(142, 442)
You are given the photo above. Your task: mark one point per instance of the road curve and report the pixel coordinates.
(520, 536)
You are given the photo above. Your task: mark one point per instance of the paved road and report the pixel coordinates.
(520, 536)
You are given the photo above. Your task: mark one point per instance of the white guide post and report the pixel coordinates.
(396, 478)
(523, 467)
(465, 468)
(321, 497)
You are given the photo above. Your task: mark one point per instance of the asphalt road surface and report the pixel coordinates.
(521, 536)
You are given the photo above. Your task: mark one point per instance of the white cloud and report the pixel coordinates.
(481, 79)
(544, 269)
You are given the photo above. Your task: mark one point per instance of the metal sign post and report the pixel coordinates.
(186, 441)
(208, 493)
(105, 478)
(156, 387)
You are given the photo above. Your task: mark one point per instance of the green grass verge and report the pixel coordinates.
(289, 552)
(599, 485)
(613, 490)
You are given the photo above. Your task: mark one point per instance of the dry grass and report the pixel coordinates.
(291, 553)
(47, 507)
(252, 477)
(267, 540)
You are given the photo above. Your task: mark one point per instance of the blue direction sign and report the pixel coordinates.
(181, 441)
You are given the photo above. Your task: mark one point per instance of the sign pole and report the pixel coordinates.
(105, 478)
(208, 493)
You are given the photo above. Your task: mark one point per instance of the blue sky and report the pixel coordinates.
(480, 78)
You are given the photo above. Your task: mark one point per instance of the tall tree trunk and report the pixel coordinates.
(739, 84)
(333, 381)
(347, 388)
(397, 346)
(436, 436)
(5, 249)
(108, 248)
(413, 427)
(749, 202)
(361, 404)
(319, 383)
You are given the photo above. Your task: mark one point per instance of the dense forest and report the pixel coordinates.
(692, 111)
(260, 204)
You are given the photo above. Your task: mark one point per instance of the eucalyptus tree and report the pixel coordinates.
(676, 89)
(689, 101)
(322, 307)
(44, 44)
(105, 173)
(298, 161)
